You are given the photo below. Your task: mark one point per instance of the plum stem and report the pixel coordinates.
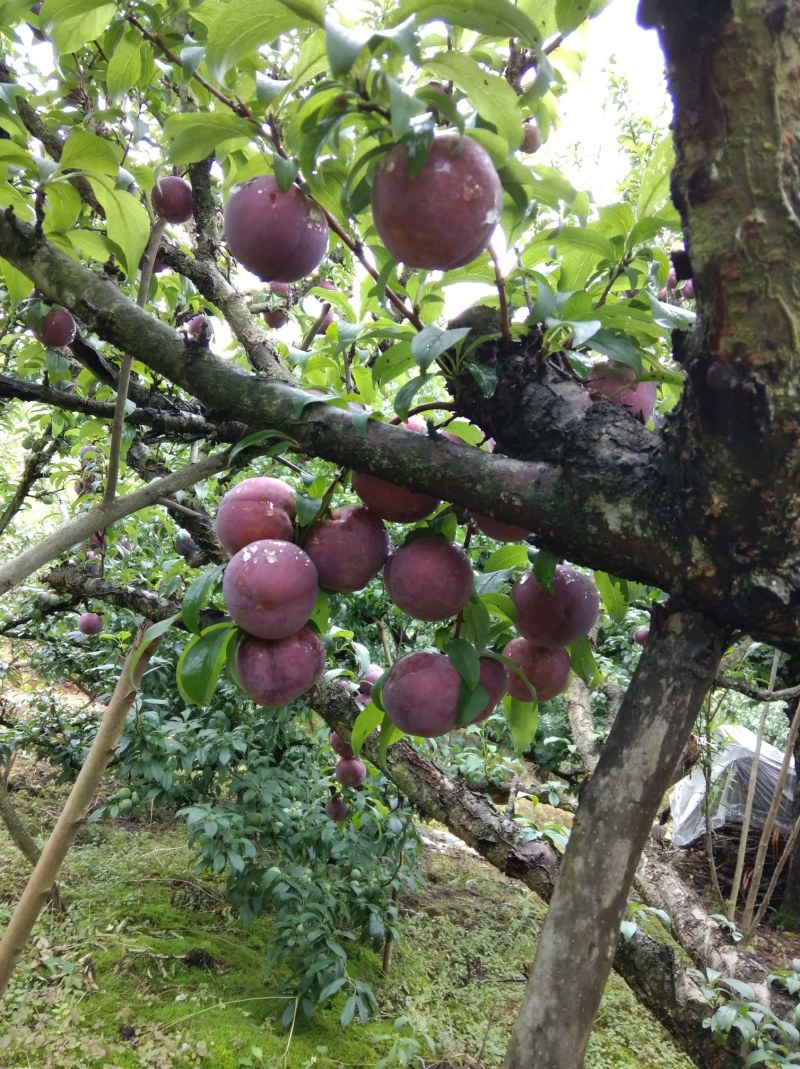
(500, 282)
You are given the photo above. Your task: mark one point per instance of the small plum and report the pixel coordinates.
(277, 317)
(253, 509)
(429, 578)
(614, 381)
(348, 549)
(337, 809)
(531, 138)
(688, 291)
(560, 618)
(90, 623)
(199, 329)
(270, 588)
(279, 236)
(58, 329)
(340, 746)
(370, 677)
(171, 198)
(275, 672)
(421, 692)
(641, 635)
(185, 545)
(501, 532)
(350, 772)
(445, 215)
(547, 669)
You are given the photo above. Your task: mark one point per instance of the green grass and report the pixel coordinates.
(149, 968)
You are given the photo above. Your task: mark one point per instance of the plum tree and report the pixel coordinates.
(614, 381)
(547, 668)
(430, 578)
(171, 198)
(90, 623)
(279, 236)
(558, 618)
(57, 329)
(421, 692)
(348, 549)
(270, 588)
(444, 215)
(275, 672)
(253, 509)
(350, 772)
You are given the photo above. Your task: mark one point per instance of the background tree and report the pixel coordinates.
(302, 103)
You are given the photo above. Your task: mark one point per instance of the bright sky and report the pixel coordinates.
(587, 117)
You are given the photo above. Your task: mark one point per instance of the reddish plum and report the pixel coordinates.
(350, 772)
(90, 623)
(278, 671)
(560, 618)
(172, 199)
(348, 549)
(429, 578)
(614, 382)
(270, 588)
(547, 668)
(340, 746)
(256, 508)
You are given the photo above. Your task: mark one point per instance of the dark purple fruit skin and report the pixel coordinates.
(185, 547)
(392, 502)
(560, 618)
(270, 588)
(340, 746)
(90, 623)
(348, 549)
(350, 772)
(531, 138)
(501, 532)
(276, 672)
(429, 578)
(546, 667)
(58, 329)
(337, 809)
(444, 216)
(280, 237)
(171, 198)
(641, 636)
(260, 507)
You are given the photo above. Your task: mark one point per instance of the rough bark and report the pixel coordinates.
(576, 945)
(38, 459)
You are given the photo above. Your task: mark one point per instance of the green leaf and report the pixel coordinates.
(17, 284)
(654, 188)
(241, 27)
(201, 662)
(151, 634)
(125, 65)
(417, 141)
(464, 658)
(343, 43)
(489, 93)
(403, 108)
(192, 136)
(196, 597)
(70, 24)
(485, 377)
(509, 556)
(471, 703)
(623, 350)
(432, 341)
(523, 720)
(544, 568)
(389, 735)
(365, 723)
(583, 663)
(571, 13)
(477, 623)
(257, 437)
(614, 594)
(407, 393)
(87, 152)
(127, 223)
(495, 18)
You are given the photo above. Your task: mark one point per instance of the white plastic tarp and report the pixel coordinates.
(734, 748)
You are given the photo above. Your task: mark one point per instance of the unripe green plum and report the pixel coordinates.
(274, 672)
(429, 578)
(278, 236)
(547, 668)
(421, 692)
(171, 198)
(256, 508)
(445, 215)
(350, 772)
(560, 618)
(348, 549)
(270, 588)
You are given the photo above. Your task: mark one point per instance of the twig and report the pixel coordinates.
(500, 282)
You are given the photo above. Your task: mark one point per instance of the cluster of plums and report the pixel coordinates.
(271, 586)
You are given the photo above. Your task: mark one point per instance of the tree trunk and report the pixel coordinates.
(581, 931)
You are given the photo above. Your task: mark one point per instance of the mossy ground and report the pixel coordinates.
(149, 968)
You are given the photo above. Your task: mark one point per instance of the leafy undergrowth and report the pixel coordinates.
(150, 968)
